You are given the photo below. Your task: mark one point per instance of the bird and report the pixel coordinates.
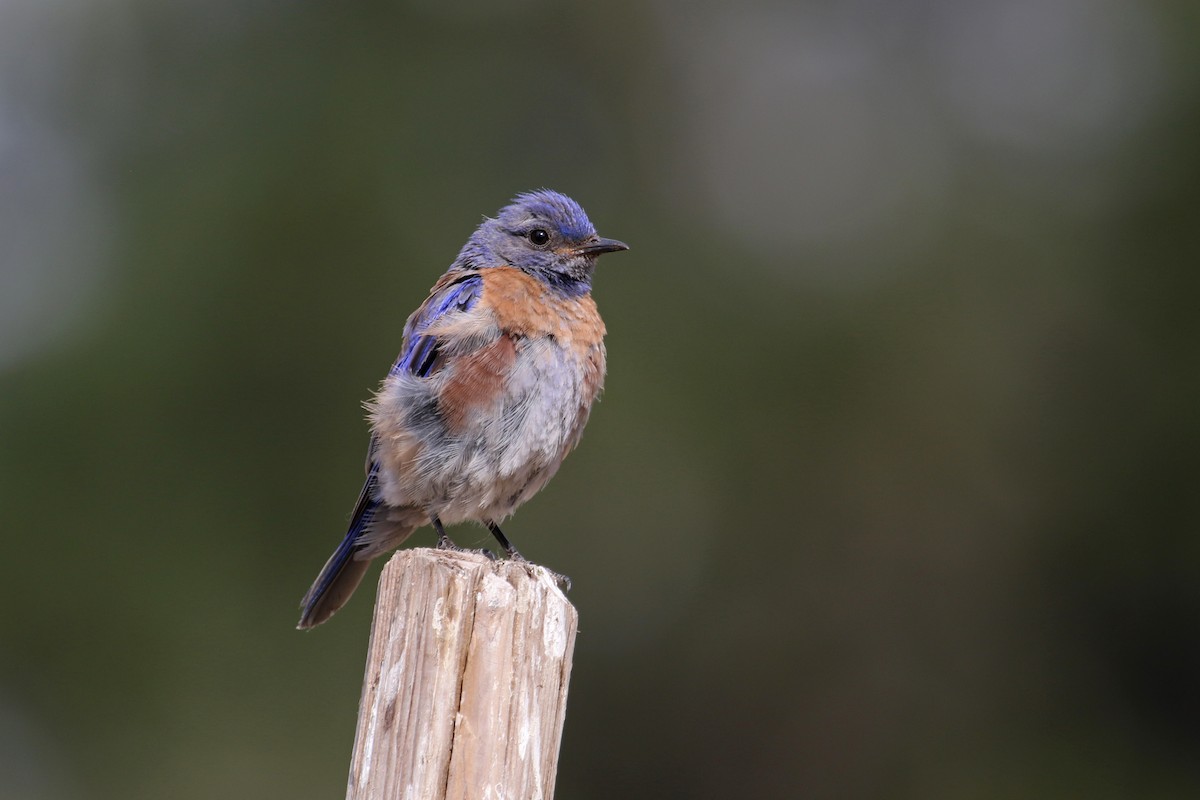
(496, 377)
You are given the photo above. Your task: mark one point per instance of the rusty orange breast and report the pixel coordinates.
(524, 306)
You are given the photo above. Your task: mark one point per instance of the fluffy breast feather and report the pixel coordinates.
(520, 372)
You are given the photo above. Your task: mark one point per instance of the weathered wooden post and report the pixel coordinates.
(465, 689)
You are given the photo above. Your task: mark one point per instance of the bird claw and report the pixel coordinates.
(560, 580)
(564, 583)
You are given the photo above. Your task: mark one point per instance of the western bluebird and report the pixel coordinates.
(496, 376)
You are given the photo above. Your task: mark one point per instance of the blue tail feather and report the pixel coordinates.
(342, 572)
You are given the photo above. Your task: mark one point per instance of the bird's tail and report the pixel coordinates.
(340, 578)
(370, 535)
(336, 582)
(371, 532)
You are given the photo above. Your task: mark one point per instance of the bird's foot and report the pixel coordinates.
(444, 543)
(562, 581)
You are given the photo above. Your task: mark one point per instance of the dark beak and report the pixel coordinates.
(598, 246)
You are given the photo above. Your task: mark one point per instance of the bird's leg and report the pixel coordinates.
(444, 543)
(563, 581)
(504, 542)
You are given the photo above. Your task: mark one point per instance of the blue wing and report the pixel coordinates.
(455, 293)
(419, 353)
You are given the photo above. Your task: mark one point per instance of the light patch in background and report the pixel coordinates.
(809, 130)
(472, 12)
(51, 222)
(1068, 79)
(31, 763)
(796, 132)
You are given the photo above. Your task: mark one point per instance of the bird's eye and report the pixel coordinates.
(539, 237)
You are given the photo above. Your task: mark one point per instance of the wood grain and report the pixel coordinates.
(466, 680)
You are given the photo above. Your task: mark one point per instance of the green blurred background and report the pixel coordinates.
(893, 490)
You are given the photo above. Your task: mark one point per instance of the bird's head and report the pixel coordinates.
(543, 233)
